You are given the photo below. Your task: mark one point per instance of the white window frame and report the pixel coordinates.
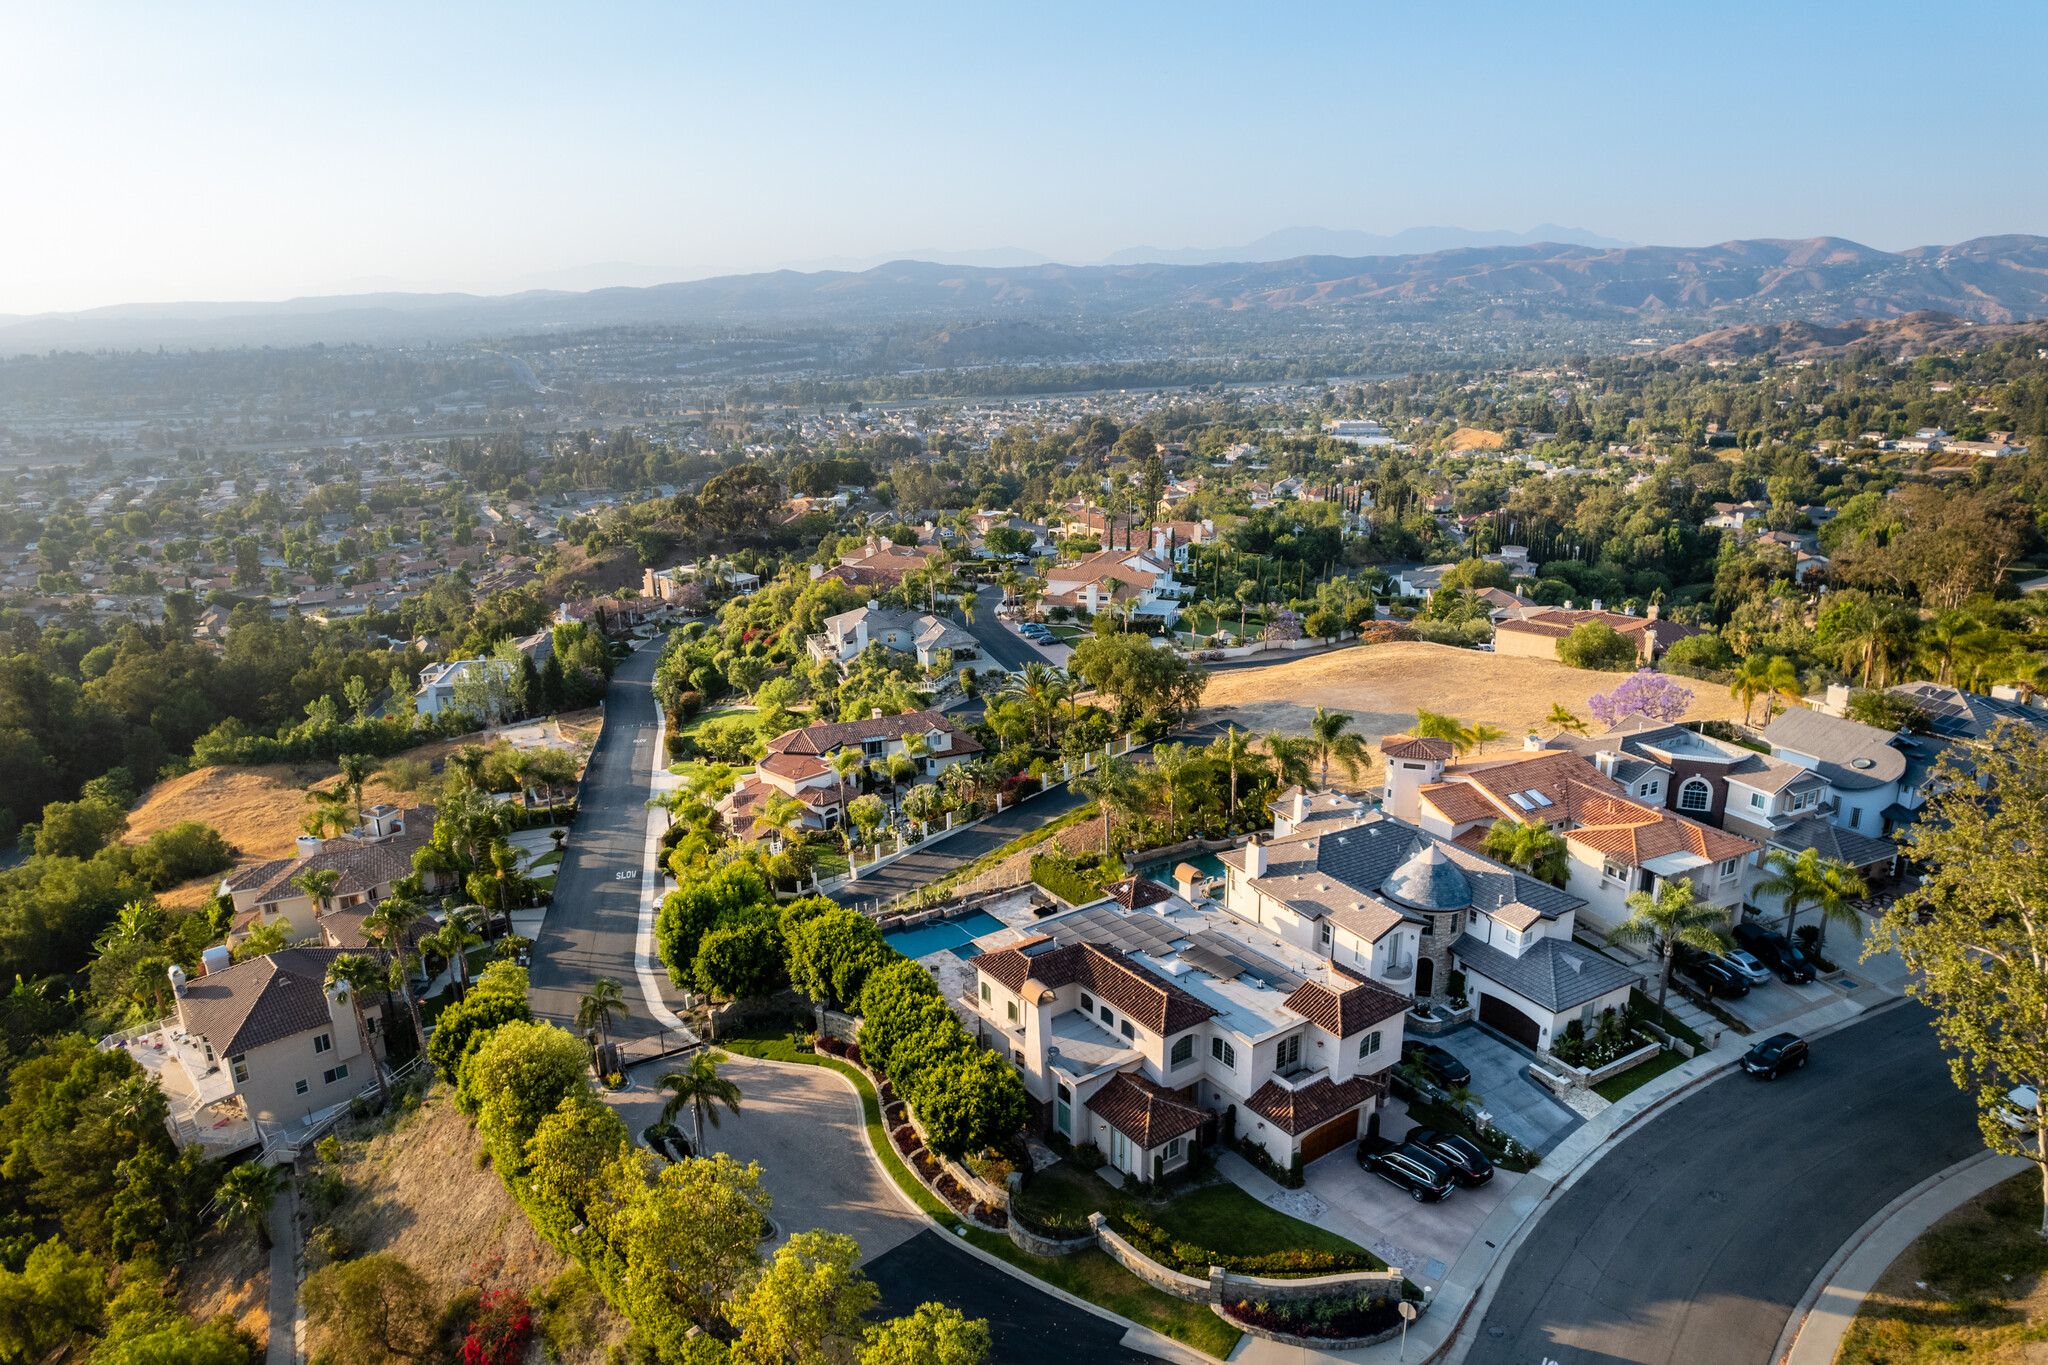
(1729, 867)
(339, 1072)
(1688, 788)
(301, 1087)
(240, 1065)
(1369, 1044)
(1758, 801)
(1221, 1051)
(1183, 1053)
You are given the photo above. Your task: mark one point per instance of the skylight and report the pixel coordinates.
(1539, 798)
(1520, 800)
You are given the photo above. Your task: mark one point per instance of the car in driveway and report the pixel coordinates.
(1775, 1055)
(1442, 1065)
(1712, 975)
(1744, 961)
(1469, 1165)
(1777, 952)
(1410, 1168)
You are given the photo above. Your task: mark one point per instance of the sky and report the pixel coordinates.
(179, 152)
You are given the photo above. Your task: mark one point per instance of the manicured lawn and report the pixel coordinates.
(1068, 1194)
(1670, 1023)
(829, 862)
(692, 769)
(1225, 1217)
(547, 859)
(1614, 1087)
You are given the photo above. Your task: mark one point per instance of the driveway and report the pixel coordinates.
(1691, 1239)
(1520, 1107)
(804, 1126)
(1000, 643)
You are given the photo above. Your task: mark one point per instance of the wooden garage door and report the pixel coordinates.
(1338, 1132)
(1509, 1020)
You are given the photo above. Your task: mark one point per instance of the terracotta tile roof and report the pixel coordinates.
(1135, 893)
(1458, 802)
(1352, 1012)
(1298, 1111)
(1633, 833)
(259, 1001)
(1415, 746)
(1563, 777)
(825, 736)
(1155, 1003)
(1146, 1113)
(794, 767)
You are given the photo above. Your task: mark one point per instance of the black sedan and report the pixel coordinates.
(1775, 1055)
(1468, 1164)
(1411, 1168)
(1714, 977)
(1443, 1066)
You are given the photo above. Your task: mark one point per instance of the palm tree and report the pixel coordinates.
(1834, 891)
(2025, 671)
(671, 801)
(595, 1009)
(1781, 682)
(1112, 787)
(318, 883)
(1947, 641)
(783, 815)
(263, 939)
(845, 763)
(1671, 917)
(354, 973)
(700, 1089)
(1749, 682)
(916, 748)
(392, 921)
(1564, 720)
(137, 922)
(331, 811)
(1328, 738)
(1290, 754)
(1481, 734)
(245, 1195)
(453, 940)
(1437, 725)
(1170, 763)
(355, 771)
(1784, 879)
(1532, 846)
(1234, 751)
(1110, 583)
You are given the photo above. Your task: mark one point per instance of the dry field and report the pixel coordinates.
(1381, 686)
(229, 1273)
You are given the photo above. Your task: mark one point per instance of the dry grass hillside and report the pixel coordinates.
(1472, 438)
(1381, 687)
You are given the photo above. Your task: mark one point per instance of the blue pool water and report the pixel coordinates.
(1208, 864)
(957, 934)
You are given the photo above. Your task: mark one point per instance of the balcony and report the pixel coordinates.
(1404, 972)
(1300, 1076)
(183, 1065)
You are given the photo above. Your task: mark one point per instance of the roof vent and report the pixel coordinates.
(1863, 763)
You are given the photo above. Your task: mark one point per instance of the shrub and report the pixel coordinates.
(1196, 1260)
(185, 850)
(1596, 645)
(499, 1332)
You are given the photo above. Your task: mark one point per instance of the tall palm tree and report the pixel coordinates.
(1564, 720)
(1946, 641)
(1290, 755)
(332, 811)
(453, 940)
(1785, 878)
(355, 973)
(1781, 683)
(1749, 682)
(845, 763)
(599, 1004)
(1329, 737)
(700, 1089)
(782, 815)
(1481, 734)
(244, 1197)
(1112, 787)
(1834, 890)
(318, 883)
(2025, 671)
(1437, 725)
(672, 801)
(1532, 846)
(1673, 916)
(1170, 764)
(1234, 751)
(355, 771)
(390, 922)
(1110, 583)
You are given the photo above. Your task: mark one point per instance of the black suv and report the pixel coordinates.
(1780, 1053)
(1711, 974)
(1421, 1173)
(1441, 1065)
(1468, 1164)
(1776, 951)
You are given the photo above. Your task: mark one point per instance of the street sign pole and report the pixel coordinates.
(1407, 1316)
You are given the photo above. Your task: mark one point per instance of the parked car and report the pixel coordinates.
(1411, 1168)
(1744, 961)
(2018, 1111)
(1775, 1055)
(1443, 1066)
(1713, 976)
(1776, 951)
(1469, 1165)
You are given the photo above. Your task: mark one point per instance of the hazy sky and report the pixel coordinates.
(157, 152)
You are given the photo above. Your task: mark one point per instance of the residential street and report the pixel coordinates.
(1691, 1241)
(947, 855)
(589, 931)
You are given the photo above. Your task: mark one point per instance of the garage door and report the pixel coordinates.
(1338, 1132)
(1509, 1020)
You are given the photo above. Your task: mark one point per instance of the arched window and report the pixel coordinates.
(1184, 1051)
(1695, 795)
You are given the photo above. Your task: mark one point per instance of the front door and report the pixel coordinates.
(1120, 1152)
(1425, 978)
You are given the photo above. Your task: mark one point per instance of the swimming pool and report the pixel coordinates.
(1208, 864)
(957, 934)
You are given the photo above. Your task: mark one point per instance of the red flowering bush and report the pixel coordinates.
(499, 1332)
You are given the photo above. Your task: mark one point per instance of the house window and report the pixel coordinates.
(1695, 795)
(1063, 1111)
(1757, 801)
(1012, 1007)
(1728, 868)
(301, 1087)
(1087, 1005)
(1108, 1017)
(1223, 1052)
(1369, 1044)
(339, 1073)
(1326, 931)
(1128, 1031)
(241, 1068)
(322, 1042)
(1855, 816)
(1652, 788)
(1172, 1153)
(1613, 871)
(1289, 1051)
(1509, 936)
(985, 994)
(1183, 1052)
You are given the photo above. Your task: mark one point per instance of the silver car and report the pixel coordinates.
(1744, 962)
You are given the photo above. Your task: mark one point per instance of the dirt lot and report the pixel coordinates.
(1381, 686)
(229, 1274)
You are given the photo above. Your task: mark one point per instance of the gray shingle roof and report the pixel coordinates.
(260, 1001)
(1363, 857)
(1832, 841)
(1850, 755)
(1955, 714)
(1554, 973)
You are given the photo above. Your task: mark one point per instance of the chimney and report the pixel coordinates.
(874, 605)
(1650, 612)
(1604, 760)
(1567, 604)
(817, 572)
(1300, 805)
(1597, 606)
(310, 844)
(1255, 857)
(1838, 699)
(177, 981)
(877, 714)
(1532, 743)
(1184, 878)
(215, 959)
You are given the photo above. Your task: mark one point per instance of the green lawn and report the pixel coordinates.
(549, 858)
(1670, 1023)
(829, 862)
(1614, 1087)
(1224, 1217)
(1067, 1194)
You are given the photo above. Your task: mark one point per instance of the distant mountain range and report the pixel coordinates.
(1824, 279)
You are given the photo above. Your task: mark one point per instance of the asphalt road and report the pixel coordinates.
(1026, 1327)
(998, 641)
(929, 864)
(1691, 1242)
(591, 927)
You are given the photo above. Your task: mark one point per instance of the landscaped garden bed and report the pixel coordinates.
(1343, 1318)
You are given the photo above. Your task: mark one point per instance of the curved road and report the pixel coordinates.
(1692, 1240)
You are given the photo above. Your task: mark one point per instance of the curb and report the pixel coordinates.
(644, 957)
(1956, 1186)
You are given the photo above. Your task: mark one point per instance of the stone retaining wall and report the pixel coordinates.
(1047, 1247)
(833, 1024)
(1150, 1271)
(1314, 1343)
(1221, 1286)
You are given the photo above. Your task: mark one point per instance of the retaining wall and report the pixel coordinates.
(1314, 1343)
(1150, 1271)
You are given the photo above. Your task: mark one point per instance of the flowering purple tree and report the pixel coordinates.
(1286, 625)
(1646, 693)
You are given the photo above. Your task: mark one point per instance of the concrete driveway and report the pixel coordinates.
(1520, 1107)
(803, 1124)
(1424, 1239)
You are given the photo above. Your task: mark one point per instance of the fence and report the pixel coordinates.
(663, 1042)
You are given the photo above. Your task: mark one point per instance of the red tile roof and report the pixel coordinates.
(1298, 1111)
(1156, 1004)
(1349, 1013)
(1146, 1113)
(1415, 746)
